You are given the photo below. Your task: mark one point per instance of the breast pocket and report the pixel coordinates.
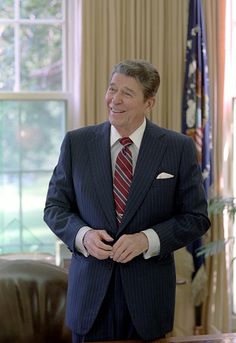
(163, 183)
(160, 198)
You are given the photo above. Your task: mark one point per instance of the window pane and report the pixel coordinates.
(6, 9)
(36, 235)
(9, 138)
(30, 132)
(21, 215)
(9, 211)
(43, 9)
(30, 137)
(42, 127)
(6, 57)
(41, 57)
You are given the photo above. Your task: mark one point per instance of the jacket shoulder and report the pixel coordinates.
(169, 135)
(87, 132)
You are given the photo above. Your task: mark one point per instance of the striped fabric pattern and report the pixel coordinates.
(81, 193)
(122, 177)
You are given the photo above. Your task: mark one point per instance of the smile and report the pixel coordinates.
(116, 110)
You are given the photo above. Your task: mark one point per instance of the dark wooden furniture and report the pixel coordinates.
(222, 338)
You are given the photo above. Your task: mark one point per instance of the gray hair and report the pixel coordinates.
(144, 72)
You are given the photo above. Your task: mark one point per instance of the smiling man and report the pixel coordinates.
(123, 197)
(126, 104)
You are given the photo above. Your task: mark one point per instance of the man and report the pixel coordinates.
(123, 206)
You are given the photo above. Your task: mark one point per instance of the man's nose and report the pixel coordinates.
(117, 98)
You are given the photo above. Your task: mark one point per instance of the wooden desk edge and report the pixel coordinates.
(220, 338)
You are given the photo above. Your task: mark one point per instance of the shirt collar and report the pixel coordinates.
(136, 136)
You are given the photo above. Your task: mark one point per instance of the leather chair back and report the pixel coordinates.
(32, 302)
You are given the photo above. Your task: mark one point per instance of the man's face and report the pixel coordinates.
(126, 105)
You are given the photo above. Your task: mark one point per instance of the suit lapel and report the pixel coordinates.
(99, 151)
(150, 156)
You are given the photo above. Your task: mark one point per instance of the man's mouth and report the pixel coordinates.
(115, 110)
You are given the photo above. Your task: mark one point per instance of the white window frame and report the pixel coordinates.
(70, 68)
(71, 63)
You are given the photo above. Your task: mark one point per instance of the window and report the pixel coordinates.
(33, 115)
(31, 40)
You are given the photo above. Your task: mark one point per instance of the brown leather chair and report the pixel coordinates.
(32, 302)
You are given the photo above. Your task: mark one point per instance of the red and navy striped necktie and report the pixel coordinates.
(122, 177)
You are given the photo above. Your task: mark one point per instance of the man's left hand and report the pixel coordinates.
(129, 246)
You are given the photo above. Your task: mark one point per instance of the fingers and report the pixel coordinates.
(105, 236)
(129, 246)
(95, 243)
(124, 256)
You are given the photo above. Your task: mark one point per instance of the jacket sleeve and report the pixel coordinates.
(61, 212)
(190, 220)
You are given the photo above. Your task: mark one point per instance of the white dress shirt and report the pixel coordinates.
(116, 146)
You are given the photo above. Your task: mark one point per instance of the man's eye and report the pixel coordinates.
(126, 93)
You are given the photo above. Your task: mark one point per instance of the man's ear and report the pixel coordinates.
(150, 104)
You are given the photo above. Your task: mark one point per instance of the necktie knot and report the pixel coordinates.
(126, 141)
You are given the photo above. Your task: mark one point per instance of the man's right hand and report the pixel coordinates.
(95, 243)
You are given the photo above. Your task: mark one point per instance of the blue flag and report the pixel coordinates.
(196, 106)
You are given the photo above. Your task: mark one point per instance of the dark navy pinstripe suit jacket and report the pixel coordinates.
(80, 193)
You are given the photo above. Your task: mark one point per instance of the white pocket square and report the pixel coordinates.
(164, 175)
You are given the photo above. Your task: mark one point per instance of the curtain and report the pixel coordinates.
(216, 310)
(113, 30)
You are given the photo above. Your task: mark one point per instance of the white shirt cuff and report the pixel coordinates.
(79, 240)
(154, 244)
